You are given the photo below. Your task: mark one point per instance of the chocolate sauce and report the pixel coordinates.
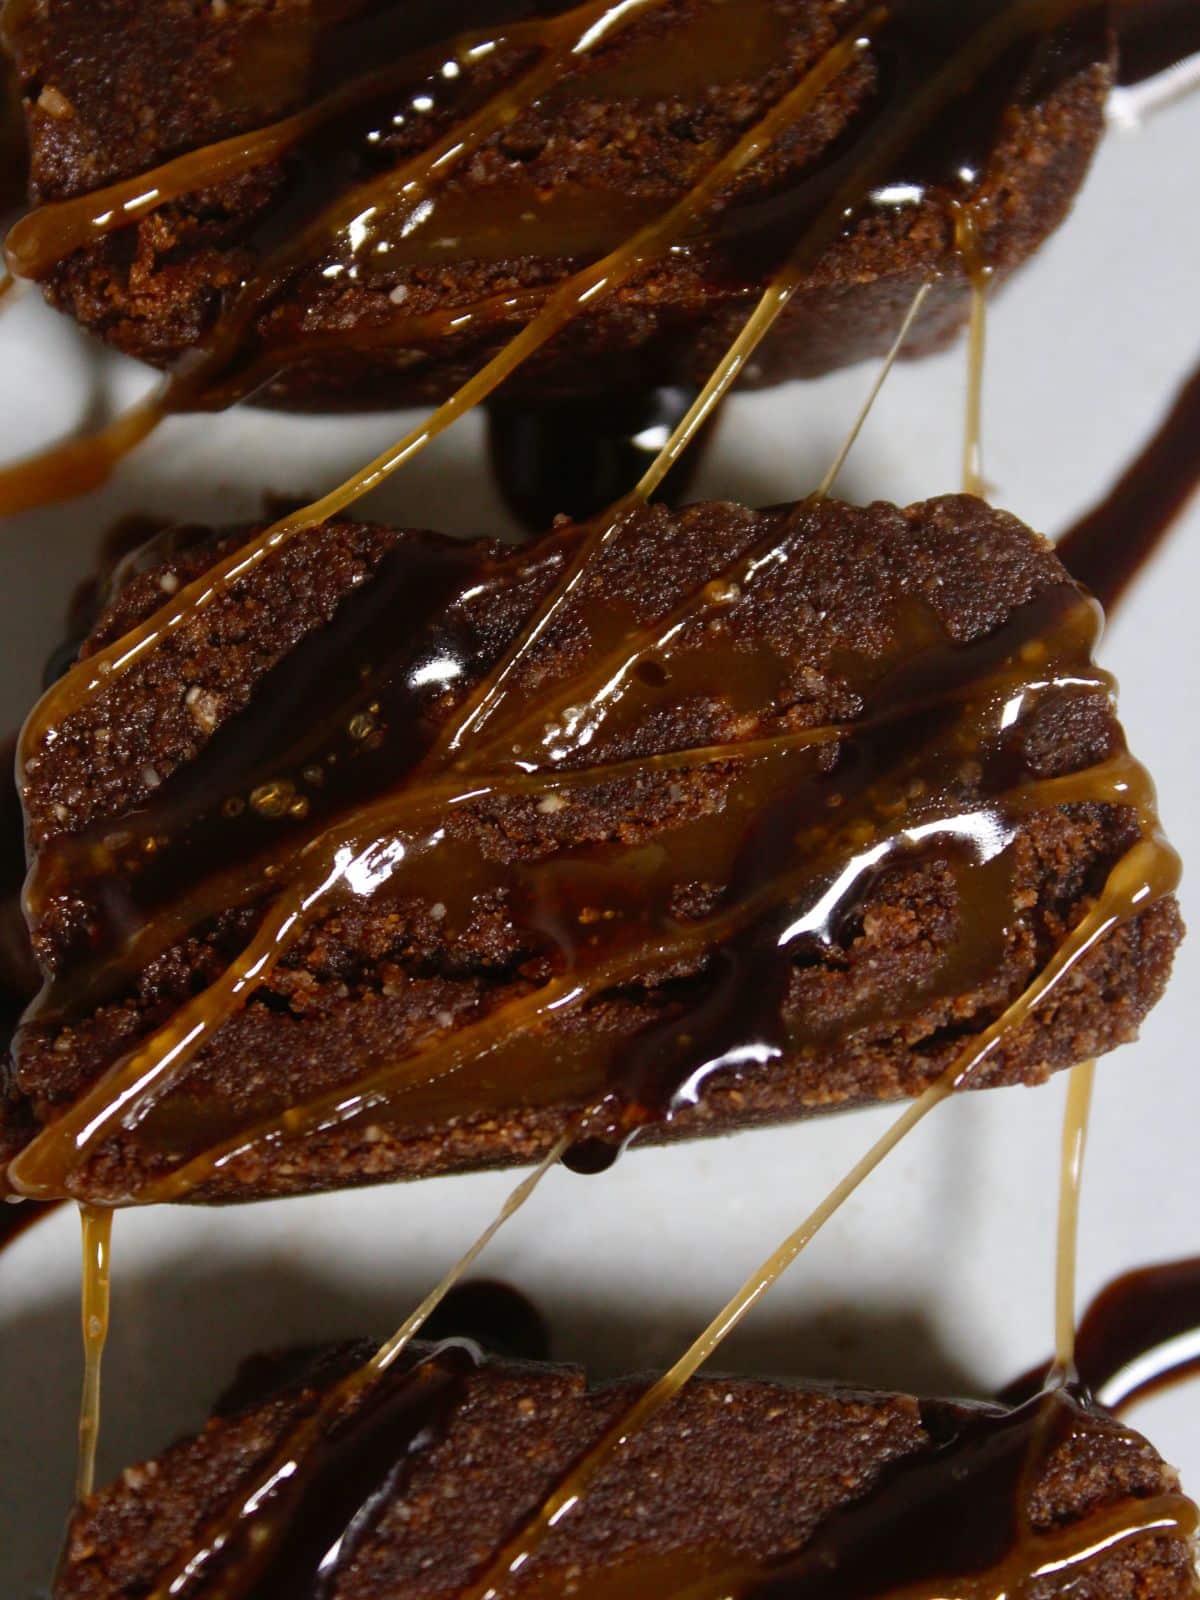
(1154, 35)
(956, 1515)
(576, 457)
(1134, 1337)
(335, 1475)
(493, 1315)
(1136, 1317)
(1109, 546)
(16, 1216)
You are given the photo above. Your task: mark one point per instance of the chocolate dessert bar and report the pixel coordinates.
(358, 204)
(362, 854)
(738, 1488)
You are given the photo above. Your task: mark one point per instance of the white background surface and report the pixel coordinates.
(939, 1274)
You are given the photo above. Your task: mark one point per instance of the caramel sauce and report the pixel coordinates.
(96, 1240)
(1110, 545)
(1074, 1141)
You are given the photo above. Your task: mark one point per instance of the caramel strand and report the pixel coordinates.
(1074, 1141)
(96, 1236)
(979, 274)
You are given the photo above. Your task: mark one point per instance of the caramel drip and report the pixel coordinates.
(839, 461)
(979, 273)
(1074, 1140)
(96, 1230)
(1109, 546)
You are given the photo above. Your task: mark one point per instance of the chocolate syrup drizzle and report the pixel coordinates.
(1109, 546)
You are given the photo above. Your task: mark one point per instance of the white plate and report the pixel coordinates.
(938, 1275)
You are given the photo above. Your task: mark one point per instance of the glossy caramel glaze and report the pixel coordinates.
(299, 817)
(925, 87)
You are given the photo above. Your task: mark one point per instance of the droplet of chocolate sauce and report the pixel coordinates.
(493, 1315)
(578, 456)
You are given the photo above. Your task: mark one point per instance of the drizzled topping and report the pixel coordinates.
(920, 91)
(444, 771)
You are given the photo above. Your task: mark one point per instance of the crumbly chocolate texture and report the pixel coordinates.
(114, 87)
(385, 974)
(751, 1469)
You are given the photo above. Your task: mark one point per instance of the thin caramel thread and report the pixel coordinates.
(580, 289)
(254, 1501)
(979, 276)
(825, 487)
(52, 231)
(1146, 873)
(96, 1241)
(1074, 1143)
(388, 1085)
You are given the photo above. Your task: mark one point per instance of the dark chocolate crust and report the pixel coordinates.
(751, 1468)
(113, 87)
(383, 974)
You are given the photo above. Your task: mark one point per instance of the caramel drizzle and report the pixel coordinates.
(564, 302)
(1074, 1141)
(83, 464)
(96, 1232)
(52, 231)
(385, 837)
(980, 274)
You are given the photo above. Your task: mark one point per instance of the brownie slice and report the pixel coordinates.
(753, 1478)
(316, 686)
(113, 88)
